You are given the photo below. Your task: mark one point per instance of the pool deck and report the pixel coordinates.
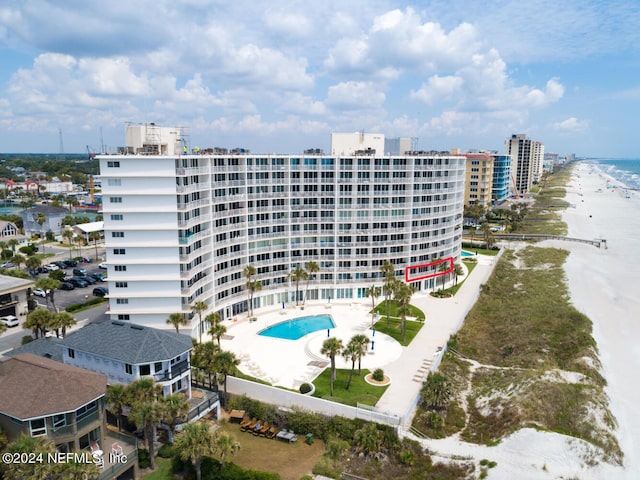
(289, 363)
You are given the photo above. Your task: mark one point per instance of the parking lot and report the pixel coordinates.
(64, 298)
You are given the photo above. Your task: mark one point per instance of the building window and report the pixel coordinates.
(119, 251)
(117, 216)
(72, 353)
(37, 427)
(117, 234)
(121, 285)
(120, 268)
(59, 421)
(124, 316)
(145, 370)
(86, 410)
(114, 182)
(113, 164)
(128, 369)
(123, 301)
(115, 199)
(157, 367)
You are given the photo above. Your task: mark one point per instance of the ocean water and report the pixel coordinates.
(626, 171)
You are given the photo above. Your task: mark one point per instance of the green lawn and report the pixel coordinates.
(394, 329)
(381, 309)
(162, 472)
(359, 391)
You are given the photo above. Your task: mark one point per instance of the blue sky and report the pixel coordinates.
(280, 76)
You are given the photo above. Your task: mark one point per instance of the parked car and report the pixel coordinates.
(39, 292)
(103, 265)
(71, 263)
(51, 267)
(80, 272)
(78, 283)
(7, 265)
(89, 279)
(10, 321)
(67, 286)
(99, 276)
(61, 265)
(100, 291)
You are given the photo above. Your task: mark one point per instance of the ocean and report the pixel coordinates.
(626, 171)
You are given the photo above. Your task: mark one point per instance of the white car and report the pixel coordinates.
(103, 266)
(10, 321)
(51, 267)
(39, 292)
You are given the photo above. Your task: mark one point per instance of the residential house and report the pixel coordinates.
(52, 220)
(13, 296)
(126, 352)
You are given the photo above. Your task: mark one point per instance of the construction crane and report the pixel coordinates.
(92, 155)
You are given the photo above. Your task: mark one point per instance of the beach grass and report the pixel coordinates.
(359, 391)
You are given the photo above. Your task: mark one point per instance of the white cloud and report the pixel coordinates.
(288, 24)
(355, 96)
(437, 89)
(571, 125)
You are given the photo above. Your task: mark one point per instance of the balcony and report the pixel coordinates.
(115, 466)
(176, 370)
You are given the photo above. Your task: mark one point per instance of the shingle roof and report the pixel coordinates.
(48, 347)
(46, 209)
(33, 386)
(128, 342)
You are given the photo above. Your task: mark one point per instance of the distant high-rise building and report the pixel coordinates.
(357, 143)
(479, 179)
(527, 160)
(399, 146)
(501, 177)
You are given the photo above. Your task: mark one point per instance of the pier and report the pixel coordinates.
(597, 242)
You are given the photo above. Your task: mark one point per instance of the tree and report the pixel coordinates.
(248, 272)
(199, 307)
(373, 292)
(443, 267)
(94, 237)
(194, 443)
(457, 271)
(17, 260)
(62, 321)
(26, 470)
(253, 286)
(38, 321)
(368, 439)
(68, 234)
(436, 391)
(175, 408)
(225, 364)
(40, 219)
(226, 445)
(204, 357)
(13, 243)
(312, 268)
(32, 263)
(489, 239)
(403, 296)
(116, 399)
(351, 352)
(330, 348)
(49, 285)
(217, 330)
(475, 212)
(388, 272)
(363, 341)
(296, 275)
(146, 412)
(176, 320)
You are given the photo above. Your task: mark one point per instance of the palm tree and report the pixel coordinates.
(175, 408)
(116, 399)
(63, 320)
(443, 267)
(194, 443)
(457, 271)
(13, 243)
(351, 352)
(177, 319)
(17, 259)
(68, 234)
(145, 415)
(38, 321)
(403, 296)
(489, 239)
(94, 237)
(253, 286)
(225, 364)
(226, 446)
(25, 470)
(363, 341)
(312, 268)
(389, 279)
(204, 357)
(296, 275)
(368, 439)
(373, 292)
(217, 330)
(199, 307)
(330, 348)
(32, 263)
(49, 285)
(80, 242)
(248, 272)
(436, 391)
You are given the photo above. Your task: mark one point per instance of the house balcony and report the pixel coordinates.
(175, 371)
(118, 460)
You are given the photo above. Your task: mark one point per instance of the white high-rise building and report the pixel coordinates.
(182, 228)
(527, 161)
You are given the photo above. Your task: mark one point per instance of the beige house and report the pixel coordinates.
(14, 296)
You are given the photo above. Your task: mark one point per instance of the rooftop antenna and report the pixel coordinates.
(61, 148)
(101, 143)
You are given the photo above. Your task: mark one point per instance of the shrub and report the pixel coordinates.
(144, 460)
(378, 375)
(166, 451)
(26, 339)
(305, 388)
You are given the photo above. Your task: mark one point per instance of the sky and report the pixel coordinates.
(281, 76)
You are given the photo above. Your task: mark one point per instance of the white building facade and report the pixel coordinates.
(182, 228)
(527, 161)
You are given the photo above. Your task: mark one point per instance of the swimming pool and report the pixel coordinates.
(466, 254)
(298, 327)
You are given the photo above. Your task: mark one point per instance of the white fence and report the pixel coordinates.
(288, 399)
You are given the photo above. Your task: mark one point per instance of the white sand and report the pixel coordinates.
(602, 286)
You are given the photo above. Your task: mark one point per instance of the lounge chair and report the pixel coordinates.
(246, 421)
(264, 429)
(249, 426)
(258, 428)
(271, 433)
(116, 449)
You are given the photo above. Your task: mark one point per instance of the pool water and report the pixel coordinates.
(298, 327)
(466, 254)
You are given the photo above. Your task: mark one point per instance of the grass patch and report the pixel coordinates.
(381, 309)
(290, 460)
(359, 391)
(162, 472)
(393, 328)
